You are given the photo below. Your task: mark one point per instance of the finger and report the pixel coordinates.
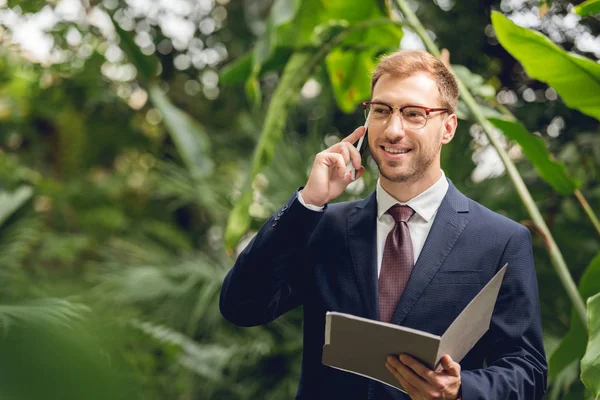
(451, 367)
(354, 155)
(340, 164)
(360, 171)
(345, 151)
(354, 136)
(410, 389)
(420, 369)
(409, 375)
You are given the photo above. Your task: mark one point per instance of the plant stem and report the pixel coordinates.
(588, 210)
(582, 200)
(555, 255)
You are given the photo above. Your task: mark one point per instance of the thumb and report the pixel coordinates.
(450, 366)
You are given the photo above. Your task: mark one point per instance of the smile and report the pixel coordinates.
(395, 151)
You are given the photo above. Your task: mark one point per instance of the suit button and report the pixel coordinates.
(284, 208)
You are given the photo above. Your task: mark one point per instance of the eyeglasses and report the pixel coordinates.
(413, 117)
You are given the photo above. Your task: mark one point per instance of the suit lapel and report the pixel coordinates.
(448, 224)
(362, 241)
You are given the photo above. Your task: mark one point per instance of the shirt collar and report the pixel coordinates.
(425, 204)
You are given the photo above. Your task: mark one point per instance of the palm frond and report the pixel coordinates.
(176, 184)
(12, 201)
(19, 239)
(48, 313)
(205, 360)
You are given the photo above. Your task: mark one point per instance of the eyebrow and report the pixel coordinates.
(390, 105)
(381, 101)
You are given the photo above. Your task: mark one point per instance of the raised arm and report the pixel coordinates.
(268, 277)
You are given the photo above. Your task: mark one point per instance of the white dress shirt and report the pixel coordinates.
(425, 205)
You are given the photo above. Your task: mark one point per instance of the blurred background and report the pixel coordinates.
(130, 130)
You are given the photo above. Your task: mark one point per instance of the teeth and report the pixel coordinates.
(395, 151)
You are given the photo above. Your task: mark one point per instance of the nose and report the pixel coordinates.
(394, 129)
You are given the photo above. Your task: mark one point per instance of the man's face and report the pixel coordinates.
(420, 156)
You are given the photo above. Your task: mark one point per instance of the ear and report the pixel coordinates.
(449, 128)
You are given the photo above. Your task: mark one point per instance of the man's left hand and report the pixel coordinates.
(423, 383)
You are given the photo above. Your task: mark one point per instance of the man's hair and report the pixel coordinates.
(404, 63)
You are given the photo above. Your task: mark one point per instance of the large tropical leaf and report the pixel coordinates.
(292, 26)
(299, 68)
(575, 78)
(572, 346)
(590, 364)
(191, 141)
(189, 136)
(551, 170)
(12, 201)
(474, 82)
(588, 7)
(146, 65)
(237, 71)
(350, 66)
(349, 75)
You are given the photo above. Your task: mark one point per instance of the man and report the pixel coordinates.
(417, 264)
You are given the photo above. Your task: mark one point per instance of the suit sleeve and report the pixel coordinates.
(268, 276)
(516, 363)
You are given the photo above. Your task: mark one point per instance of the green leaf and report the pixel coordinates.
(297, 33)
(189, 136)
(253, 92)
(48, 313)
(551, 170)
(474, 82)
(284, 11)
(575, 78)
(572, 346)
(298, 69)
(590, 364)
(296, 72)
(11, 202)
(146, 65)
(282, 14)
(588, 7)
(377, 37)
(349, 74)
(237, 71)
(350, 71)
(28, 6)
(240, 70)
(464, 112)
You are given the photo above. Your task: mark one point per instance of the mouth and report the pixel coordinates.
(395, 151)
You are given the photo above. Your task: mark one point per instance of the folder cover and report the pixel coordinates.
(360, 345)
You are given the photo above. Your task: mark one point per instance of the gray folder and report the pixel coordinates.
(360, 345)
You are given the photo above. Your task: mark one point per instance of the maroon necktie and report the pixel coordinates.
(397, 262)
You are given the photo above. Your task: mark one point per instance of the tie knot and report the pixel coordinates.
(401, 213)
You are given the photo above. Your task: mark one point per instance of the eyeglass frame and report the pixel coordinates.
(427, 110)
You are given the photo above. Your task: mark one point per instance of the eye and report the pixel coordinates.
(413, 113)
(380, 109)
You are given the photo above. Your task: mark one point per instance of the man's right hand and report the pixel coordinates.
(328, 177)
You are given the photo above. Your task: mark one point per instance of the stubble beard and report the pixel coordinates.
(393, 172)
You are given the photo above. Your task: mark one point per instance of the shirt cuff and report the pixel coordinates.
(309, 206)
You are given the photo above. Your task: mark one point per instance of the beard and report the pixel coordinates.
(407, 170)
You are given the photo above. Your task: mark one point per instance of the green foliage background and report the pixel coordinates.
(134, 164)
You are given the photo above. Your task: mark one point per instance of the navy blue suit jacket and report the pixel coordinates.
(326, 261)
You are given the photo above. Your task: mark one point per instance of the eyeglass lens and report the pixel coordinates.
(414, 117)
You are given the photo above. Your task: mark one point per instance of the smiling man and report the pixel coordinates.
(413, 253)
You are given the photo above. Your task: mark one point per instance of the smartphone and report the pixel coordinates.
(361, 145)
